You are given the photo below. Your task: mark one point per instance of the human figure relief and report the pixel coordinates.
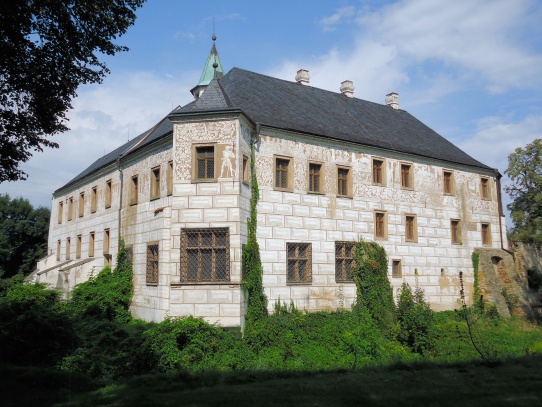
(227, 156)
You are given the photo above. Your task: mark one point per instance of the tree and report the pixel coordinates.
(525, 172)
(23, 235)
(49, 48)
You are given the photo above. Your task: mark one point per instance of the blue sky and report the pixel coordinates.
(469, 69)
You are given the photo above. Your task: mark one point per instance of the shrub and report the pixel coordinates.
(534, 278)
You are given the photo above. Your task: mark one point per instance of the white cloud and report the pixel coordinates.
(344, 13)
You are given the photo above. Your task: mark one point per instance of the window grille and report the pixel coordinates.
(345, 253)
(205, 255)
(299, 263)
(152, 263)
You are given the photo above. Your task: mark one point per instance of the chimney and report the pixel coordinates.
(392, 100)
(347, 89)
(302, 77)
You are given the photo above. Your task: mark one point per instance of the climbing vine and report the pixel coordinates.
(478, 301)
(251, 263)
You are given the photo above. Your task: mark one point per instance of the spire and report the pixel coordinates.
(213, 69)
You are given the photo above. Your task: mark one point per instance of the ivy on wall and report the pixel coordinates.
(477, 298)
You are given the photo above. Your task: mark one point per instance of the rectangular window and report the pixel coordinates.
(106, 241)
(484, 188)
(396, 269)
(406, 176)
(455, 226)
(381, 225)
(68, 248)
(70, 208)
(93, 199)
(245, 169)
(58, 248)
(411, 232)
(205, 255)
(170, 178)
(448, 178)
(282, 174)
(134, 191)
(60, 211)
(378, 172)
(314, 177)
(81, 204)
(155, 183)
(343, 181)
(205, 163)
(299, 263)
(129, 254)
(344, 261)
(91, 244)
(108, 194)
(152, 264)
(78, 247)
(486, 234)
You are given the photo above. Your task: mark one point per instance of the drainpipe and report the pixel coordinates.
(120, 200)
(498, 177)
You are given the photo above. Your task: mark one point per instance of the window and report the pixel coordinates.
(378, 172)
(68, 248)
(60, 210)
(106, 241)
(314, 177)
(152, 264)
(381, 225)
(170, 178)
(486, 234)
(70, 208)
(91, 244)
(455, 226)
(448, 180)
(129, 254)
(484, 188)
(78, 246)
(108, 194)
(344, 261)
(93, 199)
(205, 163)
(245, 169)
(81, 204)
(133, 190)
(299, 263)
(58, 248)
(343, 181)
(406, 176)
(396, 269)
(411, 228)
(283, 174)
(205, 255)
(155, 183)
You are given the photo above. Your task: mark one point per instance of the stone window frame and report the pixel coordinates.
(152, 268)
(134, 189)
(289, 173)
(78, 245)
(93, 199)
(81, 210)
(155, 183)
(68, 248)
(485, 189)
(169, 178)
(60, 211)
(348, 180)
(408, 181)
(486, 233)
(70, 208)
(295, 260)
(382, 161)
(108, 193)
(396, 268)
(91, 243)
(414, 237)
(376, 219)
(199, 248)
(344, 260)
(455, 231)
(58, 249)
(195, 174)
(245, 167)
(315, 169)
(107, 241)
(451, 190)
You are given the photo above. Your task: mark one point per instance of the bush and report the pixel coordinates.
(534, 278)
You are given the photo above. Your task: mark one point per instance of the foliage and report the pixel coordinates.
(416, 320)
(525, 172)
(478, 300)
(510, 299)
(108, 295)
(534, 278)
(48, 49)
(252, 270)
(374, 291)
(23, 235)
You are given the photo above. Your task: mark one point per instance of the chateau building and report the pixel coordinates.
(331, 168)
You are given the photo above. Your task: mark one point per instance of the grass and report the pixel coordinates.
(514, 382)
